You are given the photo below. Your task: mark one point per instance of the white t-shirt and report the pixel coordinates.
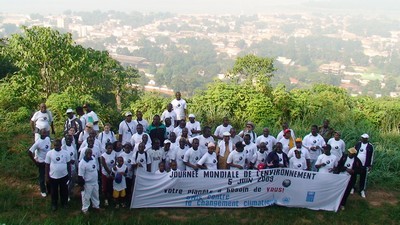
(128, 161)
(180, 155)
(196, 126)
(192, 156)
(127, 130)
(120, 186)
(169, 130)
(58, 163)
(92, 118)
(95, 152)
(203, 143)
(237, 158)
(170, 156)
(71, 150)
(298, 164)
(338, 147)
(159, 172)
(313, 141)
(40, 149)
(329, 160)
(136, 139)
(179, 107)
(285, 144)
(209, 160)
(269, 141)
(42, 120)
(220, 130)
(103, 139)
(178, 132)
(89, 171)
(156, 157)
(259, 157)
(171, 115)
(303, 152)
(250, 150)
(143, 122)
(140, 158)
(280, 135)
(110, 162)
(362, 153)
(253, 135)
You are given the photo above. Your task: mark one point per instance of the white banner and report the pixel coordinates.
(240, 188)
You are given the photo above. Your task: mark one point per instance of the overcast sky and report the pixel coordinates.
(191, 6)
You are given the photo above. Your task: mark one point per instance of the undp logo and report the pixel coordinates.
(286, 183)
(47, 147)
(280, 160)
(266, 143)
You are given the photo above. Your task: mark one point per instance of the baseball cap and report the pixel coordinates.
(69, 111)
(365, 136)
(89, 125)
(128, 114)
(211, 144)
(191, 116)
(352, 150)
(167, 142)
(226, 133)
(286, 131)
(299, 140)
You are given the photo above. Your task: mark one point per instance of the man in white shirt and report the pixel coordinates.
(169, 113)
(205, 139)
(366, 155)
(209, 160)
(303, 152)
(268, 139)
(338, 145)
(58, 171)
(192, 156)
(314, 142)
(237, 159)
(126, 129)
(249, 129)
(249, 150)
(157, 155)
(326, 162)
(180, 107)
(42, 119)
(92, 117)
(37, 152)
(193, 126)
(285, 126)
(221, 129)
(140, 120)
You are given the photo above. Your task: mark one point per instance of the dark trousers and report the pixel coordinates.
(350, 185)
(59, 187)
(44, 187)
(363, 177)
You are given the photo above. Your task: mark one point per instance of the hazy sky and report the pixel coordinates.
(191, 6)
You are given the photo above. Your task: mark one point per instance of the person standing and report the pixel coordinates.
(180, 108)
(268, 139)
(366, 155)
(193, 126)
(327, 161)
(314, 142)
(140, 120)
(42, 119)
(277, 158)
(169, 113)
(326, 131)
(58, 171)
(249, 129)
(221, 129)
(126, 129)
(224, 148)
(157, 130)
(209, 160)
(72, 122)
(91, 117)
(37, 152)
(338, 145)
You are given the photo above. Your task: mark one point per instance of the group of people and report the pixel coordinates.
(91, 158)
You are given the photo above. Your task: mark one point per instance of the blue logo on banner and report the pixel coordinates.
(310, 196)
(286, 200)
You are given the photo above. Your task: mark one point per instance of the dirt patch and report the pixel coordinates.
(178, 218)
(379, 197)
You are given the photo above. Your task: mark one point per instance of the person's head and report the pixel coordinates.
(185, 132)
(43, 107)
(337, 135)
(263, 147)
(141, 147)
(120, 161)
(195, 143)
(172, 137)
(128, 117)
(178, 95)
(287, 133)
(68, 140)
(109, 147)
(247, 139)
(285, 126)
(211, 147)
(161, 166)
(297, 153)
(182, 124)
(139, 115)
(156, 120)
(57, 144)
(90, 141)
(226, 136)
(107, 128)
(250, 126)
(88, 153)
(168, 121)
(207, 131)
(182, 143)
(70, 113)
(239, 146)
(89, 127)
(79, 111)
(155, 144)
(314, 130)
(278, 147)
(43, 133)
(225, 121)
(87, 108)
(92, 133)
(352, 152)
(326, 123)
(71, 131)
(128, 147)
(232, 131)
(169, 107)
(299, 143)
(167, 145)
(266, 132)
(117, 145)
(364, 138)
(192, 118)
(145, 138)
(173, 165)
(139, 128)
(327, 149)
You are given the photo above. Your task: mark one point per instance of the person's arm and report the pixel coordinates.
(33, 158)
(33, 127)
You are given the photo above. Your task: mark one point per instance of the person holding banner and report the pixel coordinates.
(260, 156)
(366, 155)
(192, 156)
(277, 158)
(237, 159)
(351, 165)
(180, 154)
(298, 162)
(209, 160)
(141, 159)
(327, 161)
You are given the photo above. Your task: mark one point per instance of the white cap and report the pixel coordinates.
(70, 111)
(365, 136)
(226, 133)
(191, 116)
(211, 144)
(128, 114)
(167, 142)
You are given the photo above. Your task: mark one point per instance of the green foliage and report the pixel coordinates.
(150, 104)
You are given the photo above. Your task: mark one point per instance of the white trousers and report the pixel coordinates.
(91, 193)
